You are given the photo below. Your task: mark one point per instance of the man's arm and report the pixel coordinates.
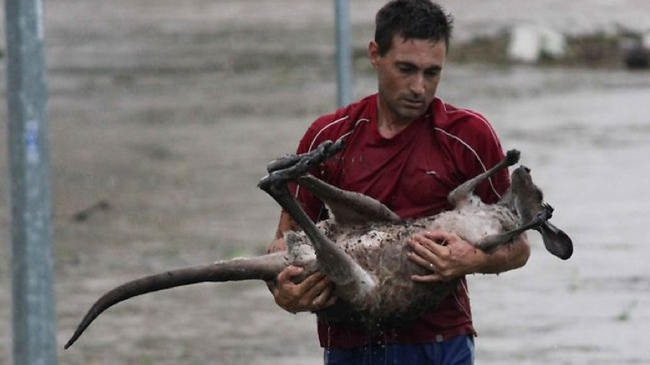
(311, 294)
(285, 224)
(453, 257)
(507, 257)
(448, 256)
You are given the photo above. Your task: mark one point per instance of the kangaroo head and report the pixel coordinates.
(527, 200)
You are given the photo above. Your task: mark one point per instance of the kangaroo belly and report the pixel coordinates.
(380, 249)
(473, 223)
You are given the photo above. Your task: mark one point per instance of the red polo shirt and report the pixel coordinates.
(411, 173)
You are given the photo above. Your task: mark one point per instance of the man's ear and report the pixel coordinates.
(373, 53)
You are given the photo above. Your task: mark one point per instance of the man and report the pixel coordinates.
(408, 149)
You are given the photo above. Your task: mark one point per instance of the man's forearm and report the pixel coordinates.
(507, 257)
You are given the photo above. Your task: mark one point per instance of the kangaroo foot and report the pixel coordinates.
(291, 167)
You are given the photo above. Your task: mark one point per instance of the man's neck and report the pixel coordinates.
(388, 129)
(389, 125)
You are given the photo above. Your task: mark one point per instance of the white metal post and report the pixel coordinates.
(34, 323)
(343, 53)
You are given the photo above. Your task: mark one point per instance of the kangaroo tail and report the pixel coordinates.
(261, 268)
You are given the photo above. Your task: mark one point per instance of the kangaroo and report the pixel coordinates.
(362, 247)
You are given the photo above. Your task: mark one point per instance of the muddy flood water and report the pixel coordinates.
(169, 111)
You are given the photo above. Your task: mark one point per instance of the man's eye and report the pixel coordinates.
(405, 69)
(432, 73)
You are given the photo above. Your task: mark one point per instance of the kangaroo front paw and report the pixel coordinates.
(512, 157)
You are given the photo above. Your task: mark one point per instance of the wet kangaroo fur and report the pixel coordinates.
(362, 248)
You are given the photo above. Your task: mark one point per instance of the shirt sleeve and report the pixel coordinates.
(484, 152)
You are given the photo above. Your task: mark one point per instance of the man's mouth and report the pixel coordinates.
(413, 103)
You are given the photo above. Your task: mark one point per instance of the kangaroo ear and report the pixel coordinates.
(556, 241)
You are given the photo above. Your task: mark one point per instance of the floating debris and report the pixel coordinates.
(85, 214)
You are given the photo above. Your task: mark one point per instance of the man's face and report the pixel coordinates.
(408, 76)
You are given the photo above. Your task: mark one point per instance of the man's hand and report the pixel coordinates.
(445, 254)
(314, 293)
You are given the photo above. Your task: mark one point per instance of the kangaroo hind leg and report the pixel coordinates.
(332, 259)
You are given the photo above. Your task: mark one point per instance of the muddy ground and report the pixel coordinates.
(169, 112)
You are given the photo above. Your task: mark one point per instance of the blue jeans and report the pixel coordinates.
(455, 351)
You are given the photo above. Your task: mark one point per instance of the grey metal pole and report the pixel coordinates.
(343, 53)
(34, 323)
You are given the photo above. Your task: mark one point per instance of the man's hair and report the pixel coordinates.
(411, 19)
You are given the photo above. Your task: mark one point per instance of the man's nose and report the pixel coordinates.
(418, 85)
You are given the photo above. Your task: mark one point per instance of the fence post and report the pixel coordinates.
(34, 323)
(343, 53)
